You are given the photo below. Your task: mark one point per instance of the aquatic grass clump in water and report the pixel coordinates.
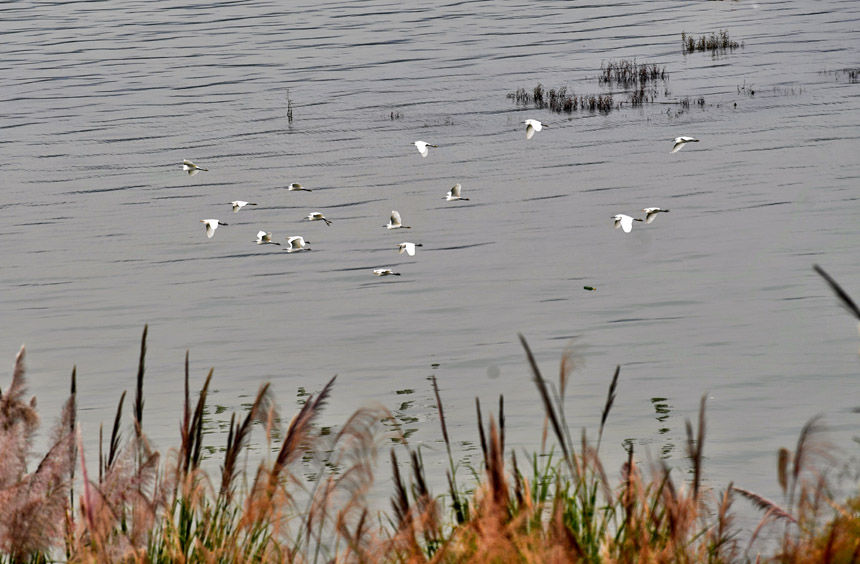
(715, 43)
(630, 74)
(746, 90)
(852, 74)
(639, 79)
(558, 100)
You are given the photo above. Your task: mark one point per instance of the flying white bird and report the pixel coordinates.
(454, 193)
(681, 141)
(295, 187)
(318, 216)
(651, 213)
(211, 226)
(625, 222)
(191, 168)
(395, 222)
(239, 204)
(385, 272)
(533, 125)
(265, 238)
(296, 244)
(408, 248)
(422, 147)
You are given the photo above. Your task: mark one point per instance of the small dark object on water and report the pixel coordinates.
(434, 365)
(589, 288)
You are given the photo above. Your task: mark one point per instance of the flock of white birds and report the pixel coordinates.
(297, 243)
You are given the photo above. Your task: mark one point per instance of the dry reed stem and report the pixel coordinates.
(548, 407)
(610, 399)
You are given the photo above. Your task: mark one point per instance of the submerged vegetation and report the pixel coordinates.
(560, 505)
(715, 43)
(851, 74)
(559, 100)
(640, 82)
(629, 74)
(746, 89)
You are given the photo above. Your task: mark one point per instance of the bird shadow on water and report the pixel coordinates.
(179, 197)
(368, 268)
(399, 280)
(458, 247)
(352, 204)
(553, 197)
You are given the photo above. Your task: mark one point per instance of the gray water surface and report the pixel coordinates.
(100, 232)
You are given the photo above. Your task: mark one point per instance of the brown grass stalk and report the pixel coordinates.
(549, 410)
(610, 399)
(138, 397)
(481, 436)
(113, 445)
(695, 447)
(298, 432)
(772, 508)
(238, 437)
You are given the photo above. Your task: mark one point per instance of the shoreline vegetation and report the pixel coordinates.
(559, 504)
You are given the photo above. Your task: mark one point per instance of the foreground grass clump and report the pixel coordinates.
(561, 506)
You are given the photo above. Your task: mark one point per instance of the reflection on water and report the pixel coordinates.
(663, 409)
(405, 423)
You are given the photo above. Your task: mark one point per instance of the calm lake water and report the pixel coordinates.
(100, 232)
